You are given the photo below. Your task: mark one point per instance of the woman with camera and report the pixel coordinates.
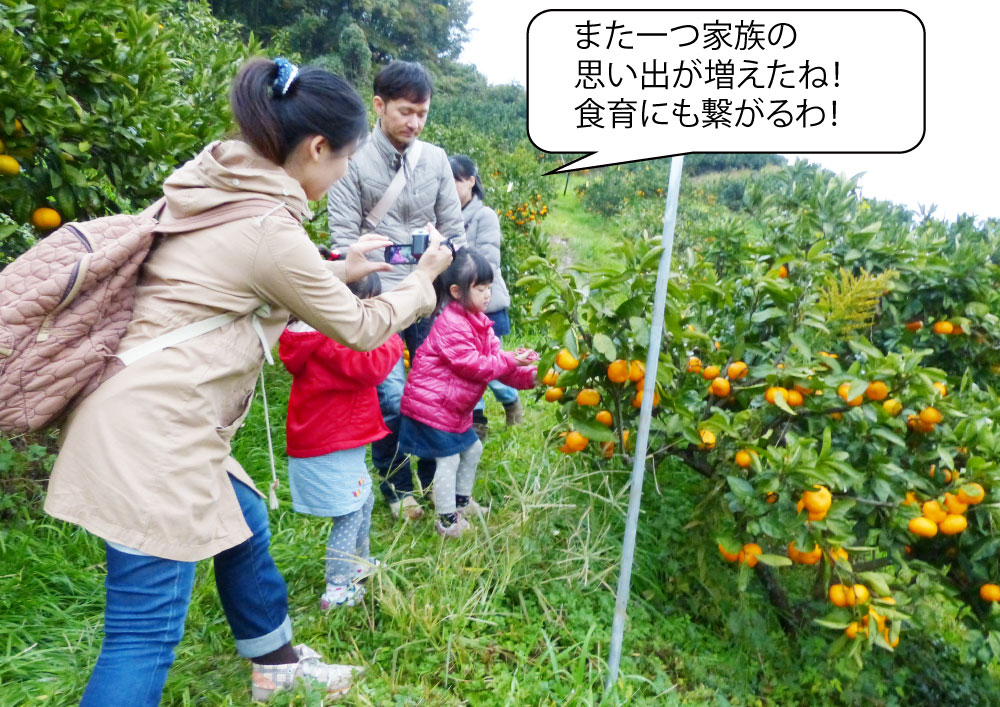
(145, 460)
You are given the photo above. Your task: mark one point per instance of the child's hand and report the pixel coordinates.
(525, 357)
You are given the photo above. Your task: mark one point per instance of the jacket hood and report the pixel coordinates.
(470, 210)
(295, 348)
(230, 171)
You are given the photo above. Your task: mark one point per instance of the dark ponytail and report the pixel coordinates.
(462, 167)
(316, 102)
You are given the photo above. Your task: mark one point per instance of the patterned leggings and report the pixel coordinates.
(347, 548)
(455, 474)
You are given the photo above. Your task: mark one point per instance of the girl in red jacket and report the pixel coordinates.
(333, 414)
(449, 375)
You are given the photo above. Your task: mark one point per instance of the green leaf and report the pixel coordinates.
(877, 582)
(861, 346)
(767, 314)
(591, 429)
(741, 488)
(780, 401)
(888, 436)
(605, 346)
(801, 345)
(774, 560)
(839, 625)
(858, 387)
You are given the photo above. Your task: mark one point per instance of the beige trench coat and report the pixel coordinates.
(144, 460)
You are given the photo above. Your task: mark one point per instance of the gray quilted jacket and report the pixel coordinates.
(482, 229)
(429, 195)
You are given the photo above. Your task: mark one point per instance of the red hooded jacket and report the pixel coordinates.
(333, 404)
(452, 368)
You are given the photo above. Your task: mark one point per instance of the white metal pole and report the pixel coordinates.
(645, 413)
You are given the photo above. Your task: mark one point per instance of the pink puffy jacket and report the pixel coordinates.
(452, 367)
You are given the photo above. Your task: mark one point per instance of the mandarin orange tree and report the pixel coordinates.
(789, 378)
(102, 100)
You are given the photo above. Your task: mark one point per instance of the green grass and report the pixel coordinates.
(578, 235)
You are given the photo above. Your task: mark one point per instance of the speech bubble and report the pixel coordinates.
(630, 85)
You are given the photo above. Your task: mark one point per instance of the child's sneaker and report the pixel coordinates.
(452, 530)
(471, 509)
(407, 507)
(268, 679)
(366, 570)
(341, 595)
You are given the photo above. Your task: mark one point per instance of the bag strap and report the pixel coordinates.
(217, 216)
(395, 187)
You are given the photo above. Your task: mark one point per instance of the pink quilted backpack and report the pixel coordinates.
(65, 304)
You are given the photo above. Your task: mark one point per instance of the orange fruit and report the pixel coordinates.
(877, 390)
(749, 554)
(694, 365)
(910, 499)
(843, 391)
(783, 272)
(637, 400)
(924, 527)
(818, 501)
(892, 407)
(805, 558)
(46, 219)
(953, 524)
(803, 389)
(771, 393)
(9, 166)
(953, 505)
(839, 554)
(618, 371)
(932, 511)
(837, 415)
(566, 361)
(852, 630)
(838, 595)
(719, 388)
(930, 416)
(915, 325)
(971, 494)
(588, 397)
(730, 556)
(576, 441)
(861, 594)
(636, 370)
(772, 497)
(605, 418)
(990, 592)
(566, 450)
(710, 372)
(940, 388)
(743, 459)
(551, 378)
(794, 399)
(707, 439)
(553, 394)
(737, 370)
(958, 330)
(943, 327)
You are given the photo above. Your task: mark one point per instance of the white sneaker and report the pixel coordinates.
(366, 570)
(454, 530)
(341, 595)
(268, 679)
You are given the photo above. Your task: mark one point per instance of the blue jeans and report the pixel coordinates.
(504, 394)
(147, 603)
(393, 466)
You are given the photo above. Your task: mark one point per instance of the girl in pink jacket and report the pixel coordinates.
(449, 375)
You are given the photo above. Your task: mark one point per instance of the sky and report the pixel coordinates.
(956, 165)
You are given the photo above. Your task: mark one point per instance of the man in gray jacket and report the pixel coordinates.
(402, 99)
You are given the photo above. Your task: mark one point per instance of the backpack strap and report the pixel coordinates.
(395, 187)
(226, 213)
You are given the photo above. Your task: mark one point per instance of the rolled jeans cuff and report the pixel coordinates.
(262, 645)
